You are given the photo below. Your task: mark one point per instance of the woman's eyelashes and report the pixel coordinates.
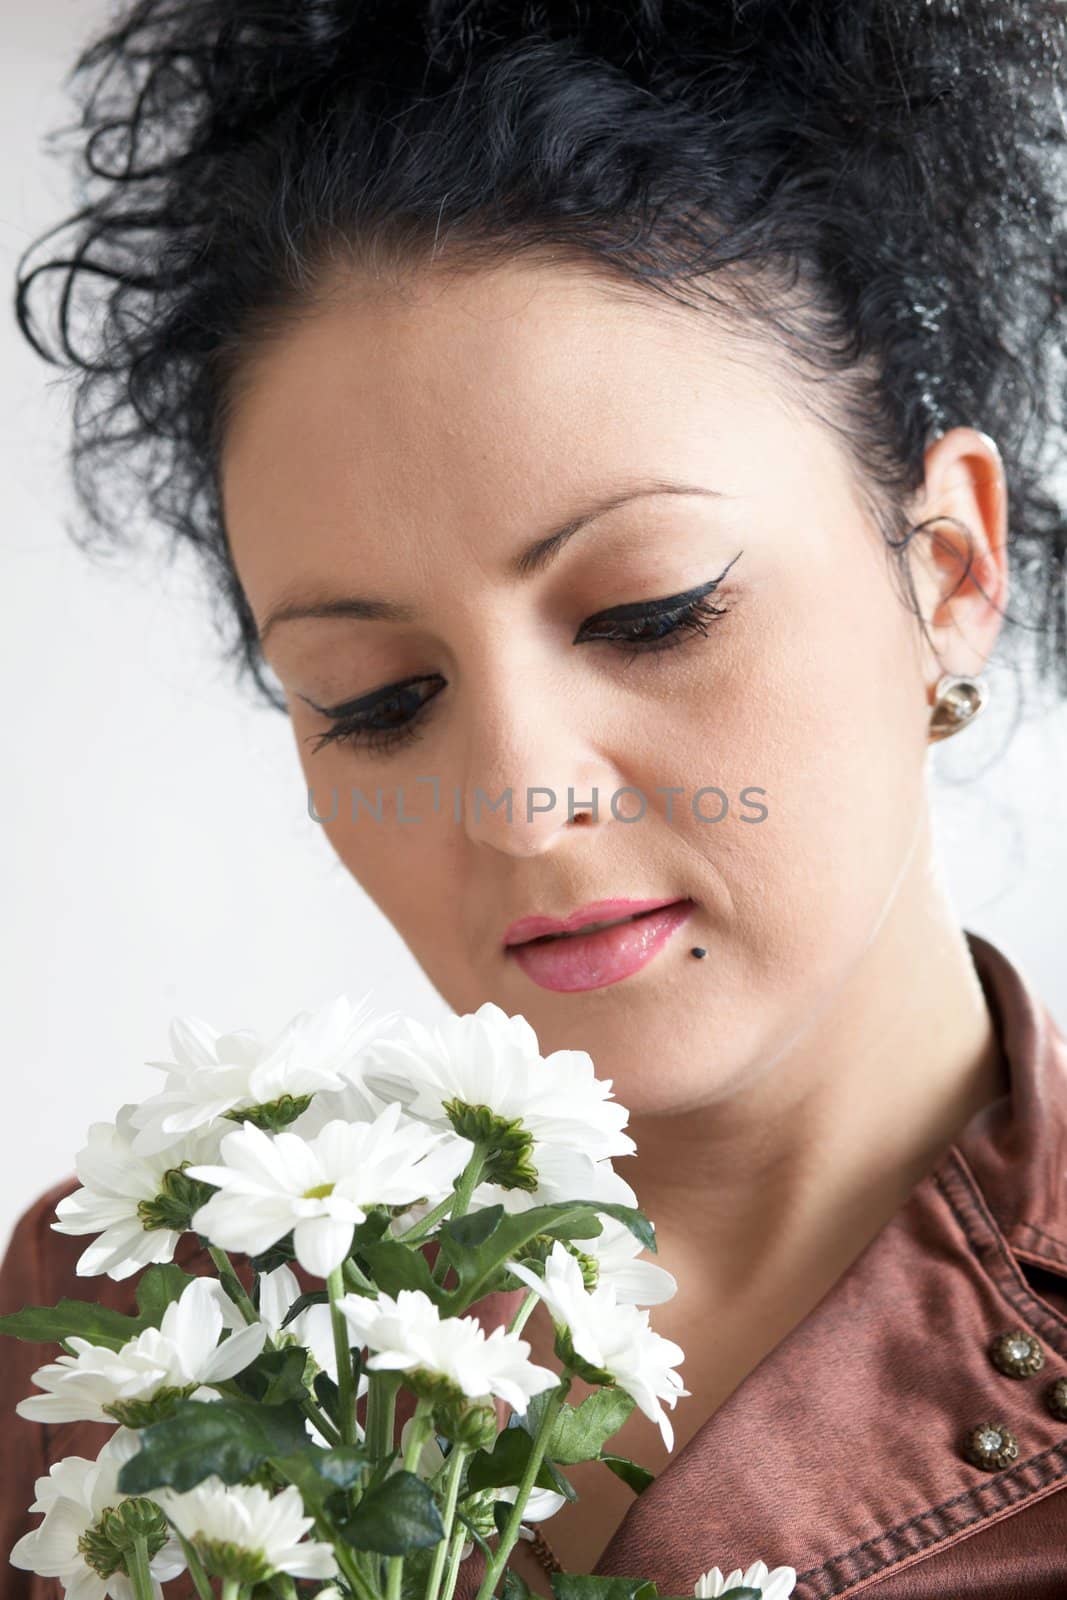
(393, 716)
(397, 709)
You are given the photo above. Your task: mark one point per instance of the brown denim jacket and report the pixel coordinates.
(842, 1454)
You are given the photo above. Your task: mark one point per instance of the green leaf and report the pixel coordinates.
(342, 1465)
(314, 1297)
(82, 1319)
(277, 1255)
(320, 1474)
(476, 1268)
(159, 1288)
(515, 1586)
(275, 1376)
(398, 1516)
(580, 1431)
(229, 1437)
(372, 1228)
(635, 1220)
(579, 1586)
(416, 1574)
(467, 1233)
(395, 1266)
(636, 1477)
(327, 1394)
(506, 1463)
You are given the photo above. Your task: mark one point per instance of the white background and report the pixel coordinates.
(158, 855)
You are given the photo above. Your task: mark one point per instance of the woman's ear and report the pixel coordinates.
(960, 560)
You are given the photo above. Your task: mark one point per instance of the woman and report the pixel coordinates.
(487, 352)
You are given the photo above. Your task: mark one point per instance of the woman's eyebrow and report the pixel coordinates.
(534, 558)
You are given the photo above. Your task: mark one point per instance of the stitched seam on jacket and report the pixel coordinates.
(968, 1206)
(1002, 1482)
(1061, 1246)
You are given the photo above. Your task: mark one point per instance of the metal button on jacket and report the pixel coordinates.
(1056, 1398)
(1016, 1353)
(990, 1445)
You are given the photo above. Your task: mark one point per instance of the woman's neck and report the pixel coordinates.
(809, 1159)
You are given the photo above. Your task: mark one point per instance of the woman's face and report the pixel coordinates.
(407, 450)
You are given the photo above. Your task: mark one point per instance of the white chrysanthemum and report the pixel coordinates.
(73, 1497)
(214, 1074)
(776, 1585)
(96, 1384)
(636, 1283)
(612, 1337)
(320, 1188)
(487, 1058)
(563, 1173)
(353, 1102)
(245, 1532)
(409, 1334)
(117, 1185)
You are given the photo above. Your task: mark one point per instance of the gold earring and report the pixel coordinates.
(957, 701)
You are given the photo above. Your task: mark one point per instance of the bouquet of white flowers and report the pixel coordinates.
(409, 1176)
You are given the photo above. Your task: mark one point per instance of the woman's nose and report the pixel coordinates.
(528, 784)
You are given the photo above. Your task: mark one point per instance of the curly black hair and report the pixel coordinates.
(879, 183)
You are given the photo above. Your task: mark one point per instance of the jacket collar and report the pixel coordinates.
(841, 1452)
(1016, 1147)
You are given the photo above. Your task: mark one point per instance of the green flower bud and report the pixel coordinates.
(274, 1115)
(508, 1143)
(142, 1413)
(176, 1201)
(106, 1545)
(225, 1560)
(565, 1352)
(479, 1508)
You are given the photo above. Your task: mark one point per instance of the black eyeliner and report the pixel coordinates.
(366, 702)
(656, 608)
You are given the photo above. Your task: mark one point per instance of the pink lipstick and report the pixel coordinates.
(556, 955)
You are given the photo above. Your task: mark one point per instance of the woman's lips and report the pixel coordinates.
(592, 960)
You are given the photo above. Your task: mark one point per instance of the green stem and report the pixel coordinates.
(231, 1589)
(232, 1283)
(455, 1472)
(519, 1320)
(511, 1528)
(421, 1423)
(420, 1231)
(320, 1419)
(355, 1279)
(196, 1568)
(454, 1554)
(468, 1181)
(381, 1414)
(235, 1289)
(346, 1560)
(138, 1569)
(346, 1389)
(466, 1184)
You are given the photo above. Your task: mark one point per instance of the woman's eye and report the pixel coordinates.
(393, 716)
(378, 721)
(655, 625)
